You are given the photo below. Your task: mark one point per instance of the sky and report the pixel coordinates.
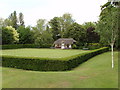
(81, 10)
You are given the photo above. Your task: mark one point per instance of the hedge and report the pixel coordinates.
(16, 46)
(46, 64)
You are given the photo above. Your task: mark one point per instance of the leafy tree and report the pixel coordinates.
(44, 39)
(21, 21)
(60, 25)
(9, 35)
(87, 25)
(42, 33)
(1, 22)
(1, 25)
(39, 28)
(54, 24)
(77, 32)
(91, 36)
(5, 22)
(41, 25)
(65, 21)
(25, 35)
(13, 19)
(107, 26)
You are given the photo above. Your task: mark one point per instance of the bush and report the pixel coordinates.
(46, 64)
(91, 46)
(74, 46)
(16, 46)
(9, 35)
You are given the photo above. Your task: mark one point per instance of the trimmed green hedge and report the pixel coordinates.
(16, 46)
(44, 64)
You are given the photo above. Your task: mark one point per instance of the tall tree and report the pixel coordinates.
(13, 19)
(1, 22)
(77, 32)
(54, 24)
(39, 28)
(91, 35)
(21, 19)
(41, 25)
(66, 21)
(87, 25)
(44, 39)
(25, 35)
(107, 26)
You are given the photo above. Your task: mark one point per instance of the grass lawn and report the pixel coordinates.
(94, 73)
(42, 53)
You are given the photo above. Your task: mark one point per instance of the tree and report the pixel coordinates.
(5, 22)
(87, 25)
(25, 35)
(41, 25)
(1, 22)
(65, 21)
(91, 35)
(54, 24)
(60, 25)
(44, 39)
(107, 26)
(76, 32)
(39, 28)
(13, 19)
(21, 21)
(9, 35)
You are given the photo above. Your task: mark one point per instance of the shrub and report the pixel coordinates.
(91, 46)
(9, 35)
(74, 46)
(16, 46)
(46, 64)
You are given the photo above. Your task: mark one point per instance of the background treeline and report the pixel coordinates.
(44, 33)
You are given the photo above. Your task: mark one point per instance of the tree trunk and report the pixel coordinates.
(112, 55)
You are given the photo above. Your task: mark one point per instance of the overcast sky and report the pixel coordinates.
(81, 10)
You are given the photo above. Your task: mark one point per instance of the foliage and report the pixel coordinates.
(92, 46)
(87, 25)
(59, 25)
(1, 23)
(92, 36)
(42, 34)
(66, 21)
(74, 46)
(9, 35)
(13, 19)
(16, 46)
(25, 35)
(47, 64)
(107, 26)
(44, 39)
(54, 24)
(21, 21)
(76, 32)
(38, 31)
(41, 25)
